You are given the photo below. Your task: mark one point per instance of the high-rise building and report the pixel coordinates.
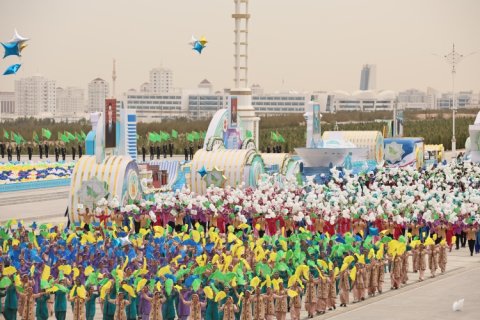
(98, 91)
(413, 99)
(35, 96)
(368, 77)
(7, 105)
(70, 102)
(161, 81)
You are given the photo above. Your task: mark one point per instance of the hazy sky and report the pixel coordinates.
(308, 44)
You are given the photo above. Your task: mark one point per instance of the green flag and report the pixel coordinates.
(249, 134)
(46, 133)
(274, 136)
(64, 137)
(165, 136)
(204, 134)
(69, 135)
(35, 137)
(280, 138)
(190, 137)
(152, 137)
(174, 134)
(5, 134)
(78, 137)
(196, 135)
(83, 135)
(17, 138)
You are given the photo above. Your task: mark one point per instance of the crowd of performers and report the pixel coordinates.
(214, 257)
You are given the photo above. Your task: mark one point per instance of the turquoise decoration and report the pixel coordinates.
(12, 69)
(202, 171)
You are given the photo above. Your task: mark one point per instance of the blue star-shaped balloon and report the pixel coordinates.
(11, 49)
(12, 69)
(198, 46)
(203, 171)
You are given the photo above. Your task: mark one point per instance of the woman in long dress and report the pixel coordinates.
(229, 309)
(281, 302)
(120, 304)
(195, 307)
(78, 307)
(156, 303)
(29, 303)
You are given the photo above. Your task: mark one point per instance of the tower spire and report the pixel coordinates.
(241, 17)
(114, 78)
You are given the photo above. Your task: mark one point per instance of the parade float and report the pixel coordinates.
(108, 170)
(351, 150)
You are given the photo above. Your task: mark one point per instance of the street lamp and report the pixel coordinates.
(453, 58)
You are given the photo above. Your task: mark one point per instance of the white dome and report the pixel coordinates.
(341, 93)
(387, 95)
(364, 94)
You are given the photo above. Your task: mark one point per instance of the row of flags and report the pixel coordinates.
(276, 137)
(153, 136)
(46, 134)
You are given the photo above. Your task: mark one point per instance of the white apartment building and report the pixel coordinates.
(413, 99)
(7, 105)
(98, 91)
(70, 102)
(156, 107)
(282, 103)
(35, 97)
(364, 100)
(161, 81)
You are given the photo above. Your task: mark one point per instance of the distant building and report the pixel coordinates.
(161, 81)
(207, 85)
(257, 90)
(7, 105)
(145, 87)
(413, 99)
(280, 103)
(151, 107)
(70, 102)
(463, 99)
(35, 97)
(98, 91)
(204, 106)
(364, 101)
(368, 77)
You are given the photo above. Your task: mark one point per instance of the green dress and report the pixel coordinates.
(132, 309)
(11, 304)
(108, 307)
(90, 307)
(169, 307)
(212, 310)
(60, 306)
(41, 311)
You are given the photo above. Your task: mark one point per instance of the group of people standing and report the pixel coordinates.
(58, 149)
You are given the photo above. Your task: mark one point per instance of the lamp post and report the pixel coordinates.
(453, 58)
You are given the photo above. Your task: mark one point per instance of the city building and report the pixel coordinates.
(35, 97)
(207, 85)
(257, 90)
(368, 77)
(145, 87)
(161, 81)
(280, 103)
(364, 100)
(204, 106)
(70, 102)
(151, 107)
(7, 105)
(98, 91)
(463, 99)
(413, 99)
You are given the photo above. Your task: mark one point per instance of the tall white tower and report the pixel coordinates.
(242, 92)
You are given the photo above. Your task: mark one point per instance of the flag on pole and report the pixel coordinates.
(46, 133)
(190, 137)
(35, 137)
(249, 134)
(83, 135)
(174, 134)
(274, 136)
(5, 134)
